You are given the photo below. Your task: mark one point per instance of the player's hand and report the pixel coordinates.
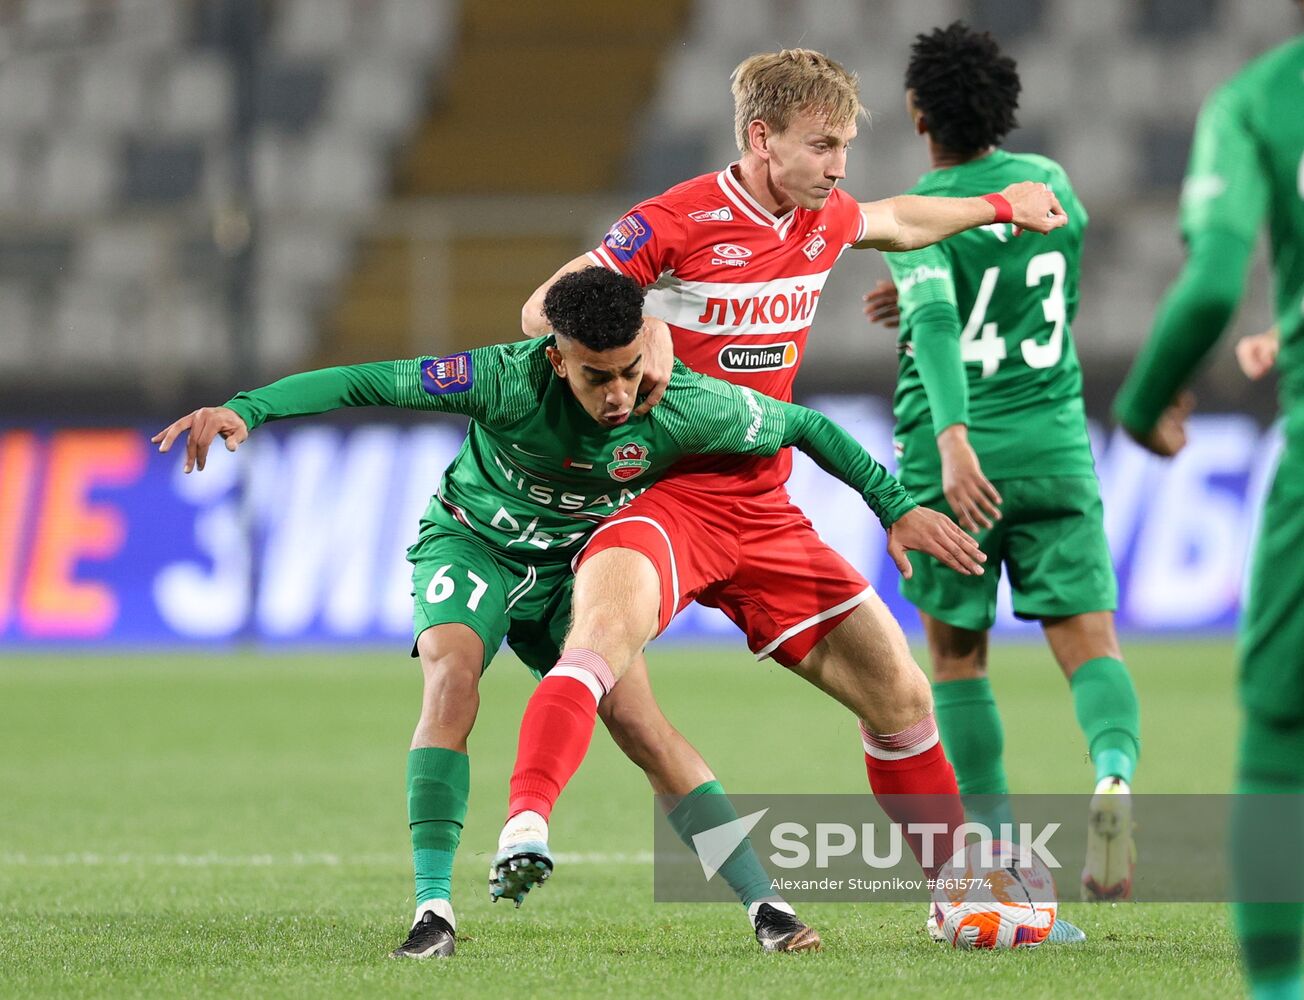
(1257, 353)
(205, 425)
(658, 360)
(881, 305)
(1168, 436)
(927, 531)
(974, 499)
(1035, 207)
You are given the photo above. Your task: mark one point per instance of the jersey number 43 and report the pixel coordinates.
(981, 342)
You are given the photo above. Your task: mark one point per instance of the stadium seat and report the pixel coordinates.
(195, 96)
(14, 173)
(181, 323)
(162, 171)
(120, 251)
(51, 22)
(289, 95)
(109, 94)
(372, 95)
(145, 25)
(418, 29)
(90, 326)
(78, 176)
(18, 321)
(27, 92)
(313, 27)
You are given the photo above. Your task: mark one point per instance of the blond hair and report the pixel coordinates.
(775, 87)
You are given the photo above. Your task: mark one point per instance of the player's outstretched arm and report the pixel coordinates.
(717, 417)
(295, 395)
(909, 526)
(908, 222)
(203, 426)
(445, 384)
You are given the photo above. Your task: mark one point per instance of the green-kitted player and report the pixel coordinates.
(551, 450)
(990, 425)
(1247, 167)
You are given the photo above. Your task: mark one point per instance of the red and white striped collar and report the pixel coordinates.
(751, 208)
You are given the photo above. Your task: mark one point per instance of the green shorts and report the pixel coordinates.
(1272, 626)
(458, 578)
(1050, 540)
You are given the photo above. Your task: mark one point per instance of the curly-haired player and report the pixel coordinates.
(551, 450)
(990, 424)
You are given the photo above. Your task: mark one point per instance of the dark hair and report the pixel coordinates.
(966, 90)
(596, 307)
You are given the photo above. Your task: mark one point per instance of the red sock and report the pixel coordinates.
(556, 730)
(914, 783)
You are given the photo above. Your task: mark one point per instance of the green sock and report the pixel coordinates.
(707, 806)
(438, 785)
(1266, 832)
(974, 741)
(1105, 702)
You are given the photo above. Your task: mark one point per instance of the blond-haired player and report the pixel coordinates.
(735, 262)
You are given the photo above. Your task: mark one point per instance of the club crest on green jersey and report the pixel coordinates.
(630, 461)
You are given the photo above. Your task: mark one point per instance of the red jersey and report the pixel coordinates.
(738, 287)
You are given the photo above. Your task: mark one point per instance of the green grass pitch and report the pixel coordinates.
(234, 825)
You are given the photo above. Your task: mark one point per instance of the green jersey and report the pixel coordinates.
(1247, 162)
(536, 473)
(984, 338)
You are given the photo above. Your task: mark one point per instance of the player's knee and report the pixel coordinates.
(451, 675)
(911, 694)
(618, 637)
(451, 691)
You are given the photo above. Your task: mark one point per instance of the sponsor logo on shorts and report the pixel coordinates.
(814, 248)
(721, 214)
(444, 376)
(627, 235)
(758, 357)
(630, 461)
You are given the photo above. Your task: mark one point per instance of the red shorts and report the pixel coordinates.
(758, 559)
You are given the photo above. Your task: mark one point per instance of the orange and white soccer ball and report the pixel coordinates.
(1001, 905)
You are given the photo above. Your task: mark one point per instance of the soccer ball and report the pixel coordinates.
(1000, 905)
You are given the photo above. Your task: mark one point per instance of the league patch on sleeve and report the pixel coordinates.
(443, 376)
(627, 235)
